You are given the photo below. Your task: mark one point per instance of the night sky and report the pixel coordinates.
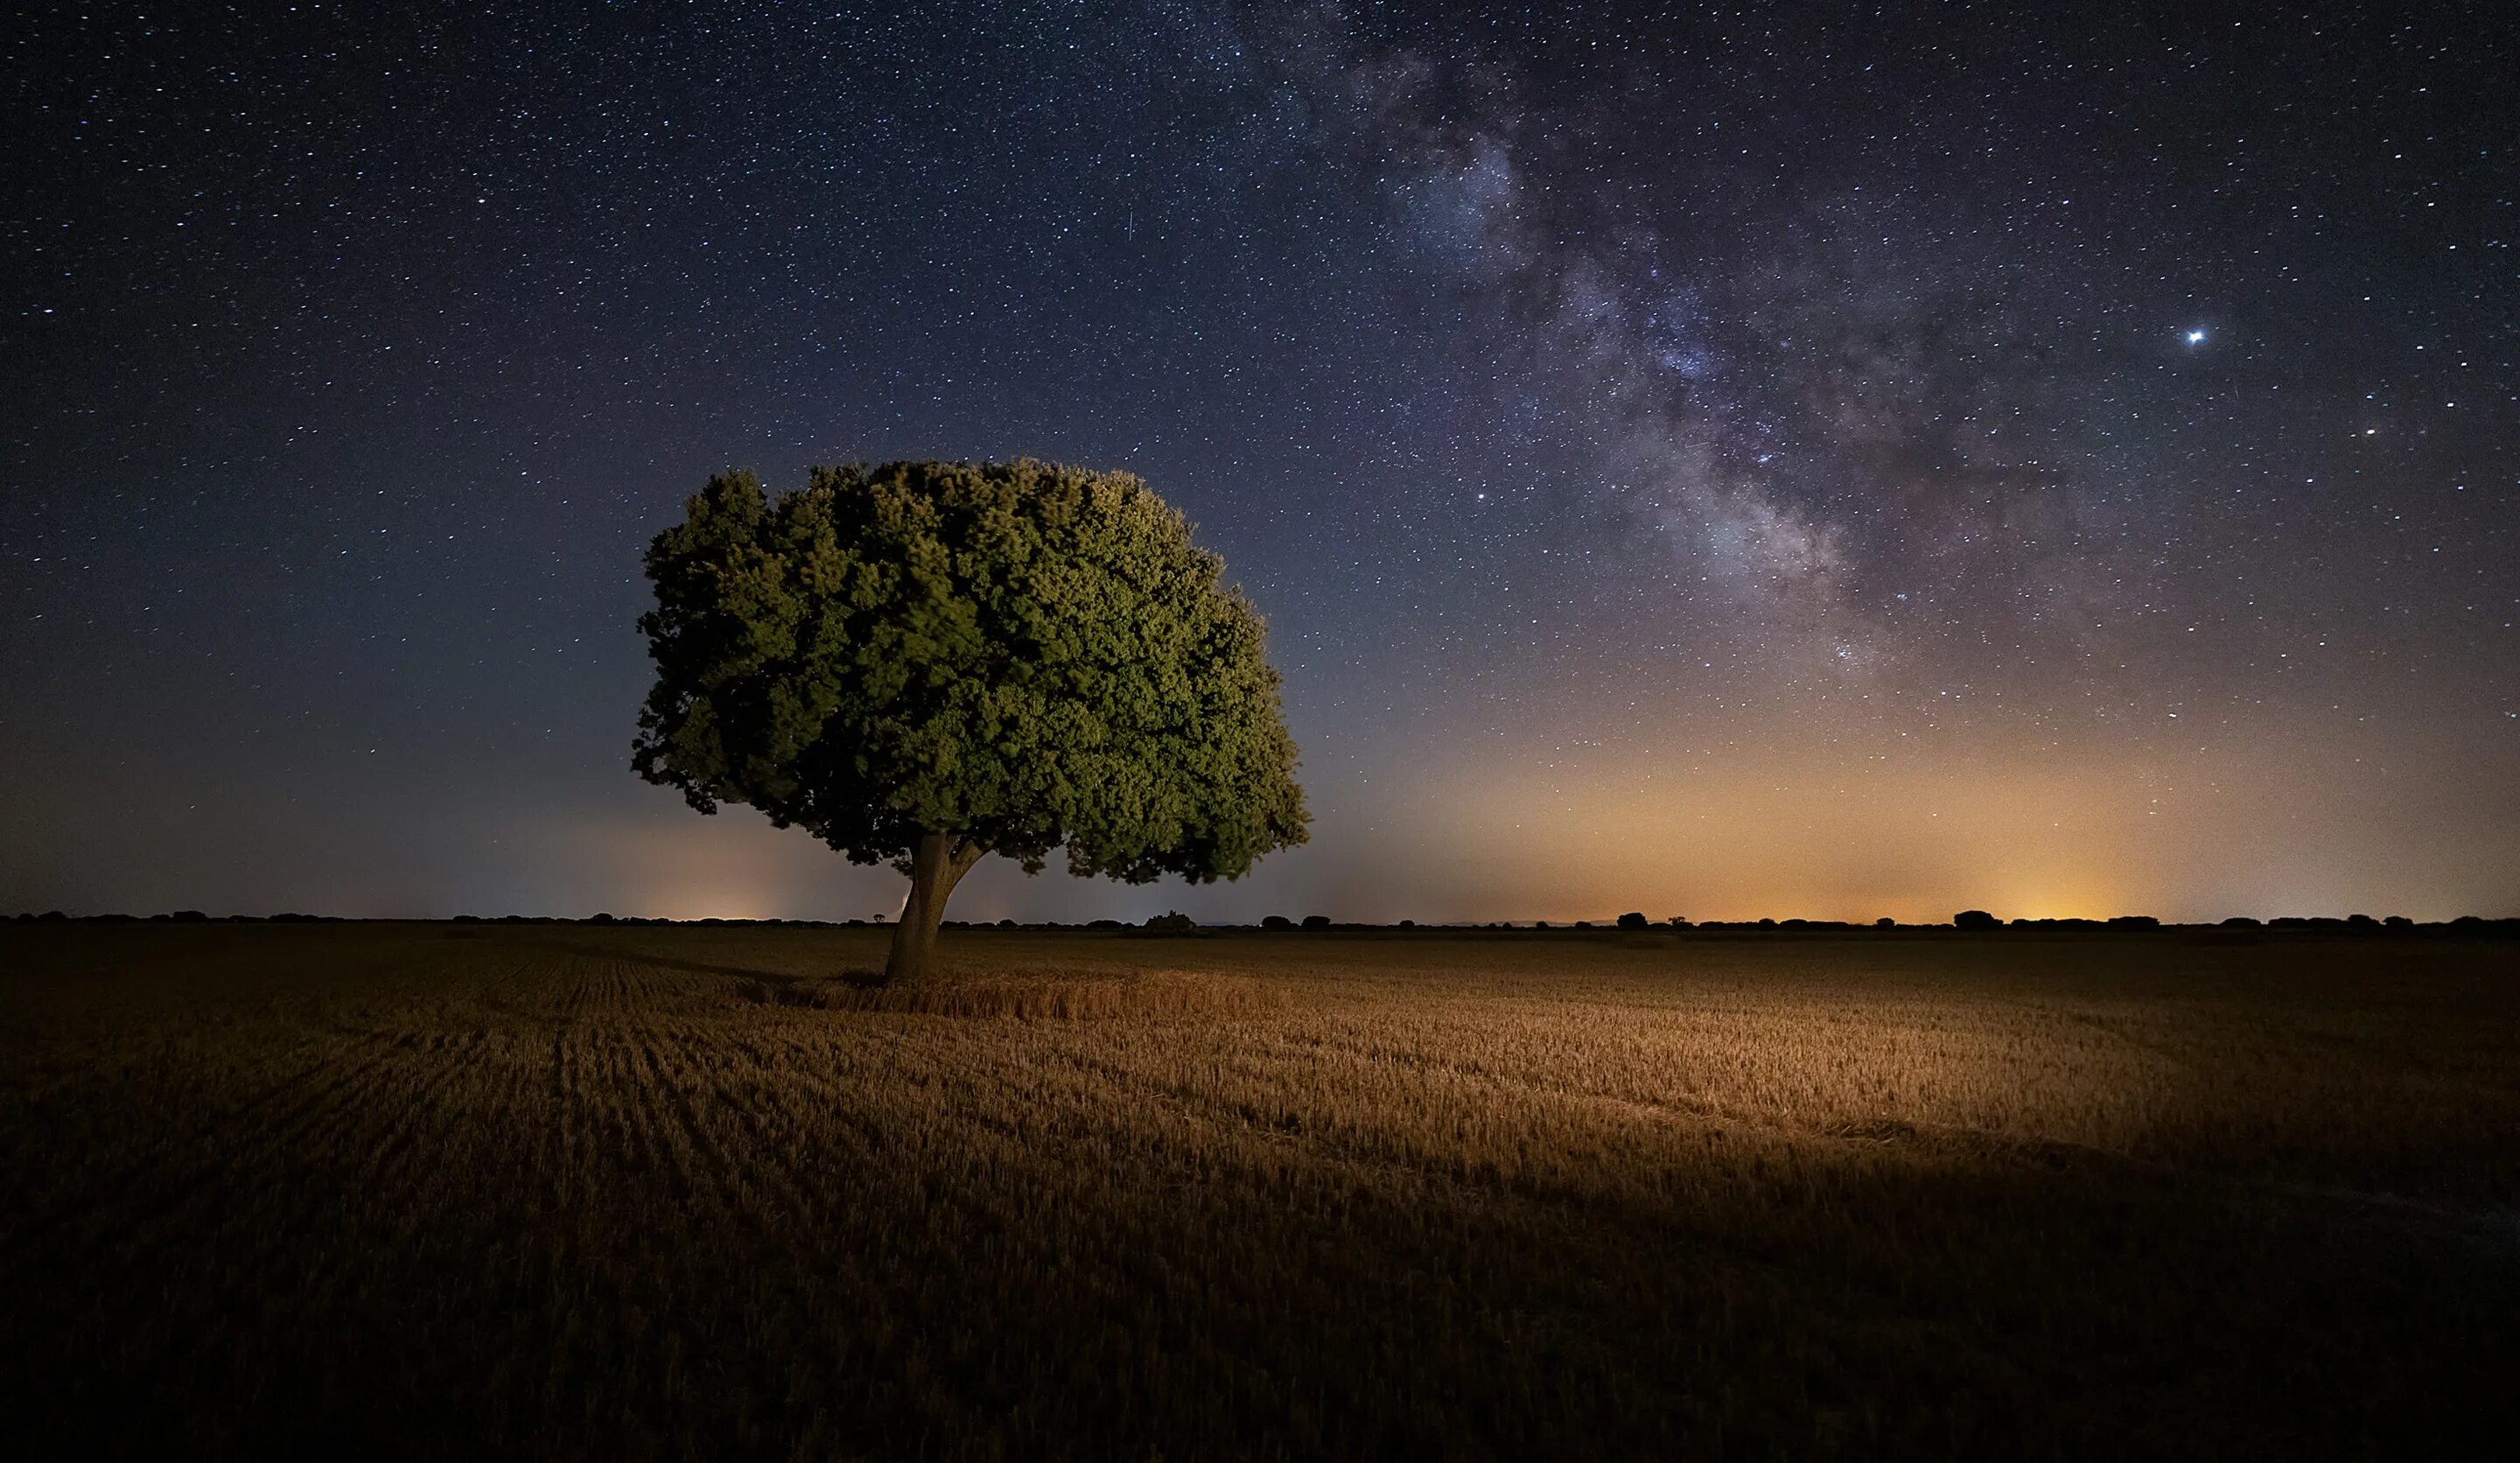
(1712, 461)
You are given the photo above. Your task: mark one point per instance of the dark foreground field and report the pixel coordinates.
(566, 1191)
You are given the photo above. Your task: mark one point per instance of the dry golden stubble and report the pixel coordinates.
(1028, 994)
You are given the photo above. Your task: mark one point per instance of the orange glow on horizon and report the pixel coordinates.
(2032, 838)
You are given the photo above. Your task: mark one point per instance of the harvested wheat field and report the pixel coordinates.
(429, 1190)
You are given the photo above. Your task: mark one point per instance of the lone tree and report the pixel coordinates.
(925, 663)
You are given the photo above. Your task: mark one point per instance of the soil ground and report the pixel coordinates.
(449, 1190)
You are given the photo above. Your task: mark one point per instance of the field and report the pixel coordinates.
(430, 1190)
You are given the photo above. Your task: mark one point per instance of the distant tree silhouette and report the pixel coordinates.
(925, 663)
(1975, 919)
(2133, 923)
(1885, 922)
(1317, 921)
(1171, 923)
(1633, 920)
(1277, 922)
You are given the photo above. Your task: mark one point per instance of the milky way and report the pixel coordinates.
(1714, 461)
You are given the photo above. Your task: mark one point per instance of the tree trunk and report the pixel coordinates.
(936, 865)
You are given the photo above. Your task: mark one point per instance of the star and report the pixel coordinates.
(1937, 372)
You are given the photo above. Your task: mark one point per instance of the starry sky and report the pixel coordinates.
(1834, 460)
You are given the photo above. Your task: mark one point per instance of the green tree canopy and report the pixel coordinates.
(925, 663)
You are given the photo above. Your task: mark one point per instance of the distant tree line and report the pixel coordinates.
(1177, 923)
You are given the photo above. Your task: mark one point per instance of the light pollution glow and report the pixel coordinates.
(1781, 829)
(1850, 520)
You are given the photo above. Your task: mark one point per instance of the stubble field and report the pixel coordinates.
(429, 1190)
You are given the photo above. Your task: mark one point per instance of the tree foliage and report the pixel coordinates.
(1021, 657)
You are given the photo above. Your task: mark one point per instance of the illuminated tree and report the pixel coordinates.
(925, 663)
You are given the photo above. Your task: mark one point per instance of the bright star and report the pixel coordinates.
(2195, 337)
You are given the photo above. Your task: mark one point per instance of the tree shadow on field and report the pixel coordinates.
(1060, 992)
(669, 962)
